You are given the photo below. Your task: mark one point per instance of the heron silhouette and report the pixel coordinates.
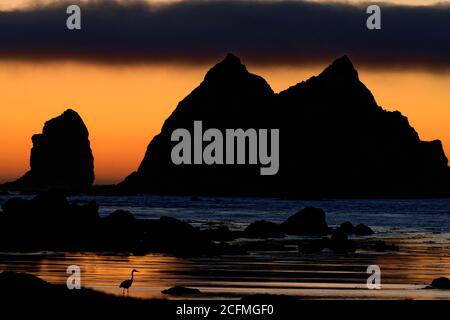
(126, 284)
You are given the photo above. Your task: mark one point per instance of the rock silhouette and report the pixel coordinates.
(49, 222)
(308, 221)
(179, 290)
(441, 283)
(334, 140)
(229, 97)
(61, 157)
(25, 288)
(361, 229)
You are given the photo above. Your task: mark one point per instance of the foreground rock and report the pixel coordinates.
(26, 286)
(360, 230)
(47, 221)
(441, 283)
(179, 238)
(180, 291)
(50, 222)
(61, 157)
(308, 221)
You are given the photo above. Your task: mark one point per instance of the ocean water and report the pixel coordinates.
(424, 215)
(420, 215)
(421, 229)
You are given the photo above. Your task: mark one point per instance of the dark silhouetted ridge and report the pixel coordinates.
(227, 67)
(334, 140)
(341, 69)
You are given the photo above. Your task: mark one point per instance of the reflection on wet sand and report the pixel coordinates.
(326, 275)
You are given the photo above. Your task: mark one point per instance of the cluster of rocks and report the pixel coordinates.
(311, 221)
(50, 222)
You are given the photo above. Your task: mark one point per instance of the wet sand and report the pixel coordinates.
(326, 275)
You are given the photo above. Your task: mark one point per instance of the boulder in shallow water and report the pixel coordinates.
(177, 237)
(346, 227)
(120, 218)
(363, 230)
(179, 291)
(441, 283)
(360, 230)
(308, 221)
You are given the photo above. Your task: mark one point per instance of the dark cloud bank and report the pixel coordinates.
(291, 32)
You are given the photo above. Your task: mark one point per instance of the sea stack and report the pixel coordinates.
(61, 157)
(334, 140)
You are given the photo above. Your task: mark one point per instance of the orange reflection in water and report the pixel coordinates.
(318, 276)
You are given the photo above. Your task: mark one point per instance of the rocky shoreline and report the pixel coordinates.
(50, 222)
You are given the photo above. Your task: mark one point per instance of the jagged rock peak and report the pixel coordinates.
(231, 65)
(341, 68)
(231, 59)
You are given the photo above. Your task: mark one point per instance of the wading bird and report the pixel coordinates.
(126, 284)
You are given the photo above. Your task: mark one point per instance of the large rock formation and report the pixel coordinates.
(61, 157)
(229, 97)
(334, 140)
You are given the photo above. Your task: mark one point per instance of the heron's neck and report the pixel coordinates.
(132, 275)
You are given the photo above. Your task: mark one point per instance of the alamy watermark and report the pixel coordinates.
(74, 280)
(374, 280)
(73, 22)
(249, 146)
(374, 20)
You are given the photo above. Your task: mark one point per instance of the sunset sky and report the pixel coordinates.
(124, 94)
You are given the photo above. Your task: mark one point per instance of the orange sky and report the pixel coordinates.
(124, 107)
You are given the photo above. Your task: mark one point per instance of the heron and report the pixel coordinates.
(126, 284)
